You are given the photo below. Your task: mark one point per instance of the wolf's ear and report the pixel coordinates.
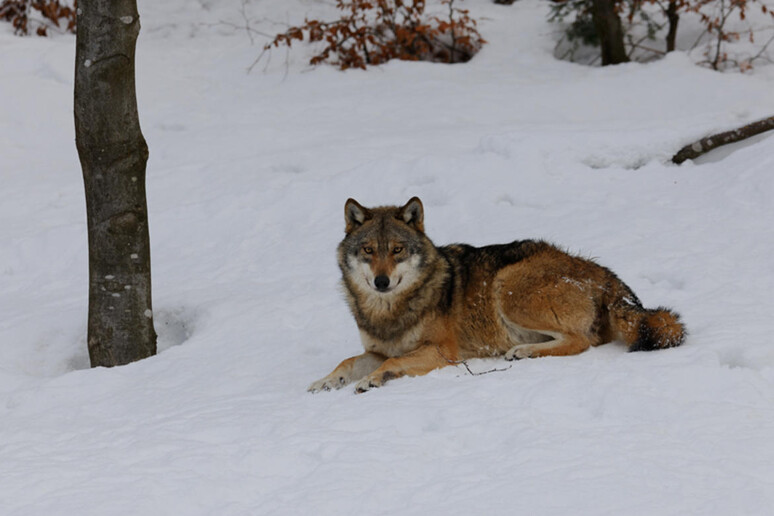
(354, 215)
(413, 214)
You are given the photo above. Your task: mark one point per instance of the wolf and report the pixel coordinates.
(420, 307)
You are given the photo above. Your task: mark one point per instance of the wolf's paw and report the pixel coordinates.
(366, 384)
(328, 383)
(518, 352)
(375, 380)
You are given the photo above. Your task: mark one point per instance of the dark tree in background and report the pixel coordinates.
(673, 17)
(593, 23)
(610, 32)
(113, 155)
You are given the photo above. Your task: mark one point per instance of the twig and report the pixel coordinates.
(763, 49)
(648, 49)
(267, 49)
(246, 25)
(701, 36)
(258, 59)
(637, 45)
(465, 363)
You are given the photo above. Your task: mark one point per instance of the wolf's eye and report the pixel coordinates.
(368, 250)
(397, 250)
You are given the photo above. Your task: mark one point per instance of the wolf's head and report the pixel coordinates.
(385, 249)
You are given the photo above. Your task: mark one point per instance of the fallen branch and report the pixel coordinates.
(696, 149)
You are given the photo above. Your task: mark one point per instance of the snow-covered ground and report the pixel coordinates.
(247, 180)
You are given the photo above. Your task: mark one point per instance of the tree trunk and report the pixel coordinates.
(703, 146)
(674, 18)
(113, 155)
(610, 32)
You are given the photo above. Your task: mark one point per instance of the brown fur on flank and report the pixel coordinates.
(420, 307)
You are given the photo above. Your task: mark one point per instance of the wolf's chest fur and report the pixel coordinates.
(394, 324)
(404, 343)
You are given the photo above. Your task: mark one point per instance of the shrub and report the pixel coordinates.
(715, 15)
(53, 14)
(372, 32)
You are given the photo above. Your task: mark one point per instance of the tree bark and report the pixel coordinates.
(714, 141)
(113, 156)
(608, 26)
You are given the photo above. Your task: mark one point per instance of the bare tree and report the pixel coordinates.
(113, 156)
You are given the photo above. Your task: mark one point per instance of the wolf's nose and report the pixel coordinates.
(382, 282)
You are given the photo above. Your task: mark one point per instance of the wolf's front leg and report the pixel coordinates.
(348, 371)
(419, 362)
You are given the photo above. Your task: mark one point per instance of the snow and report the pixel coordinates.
(247, 179)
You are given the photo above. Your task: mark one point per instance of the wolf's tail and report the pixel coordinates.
(643, 329)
